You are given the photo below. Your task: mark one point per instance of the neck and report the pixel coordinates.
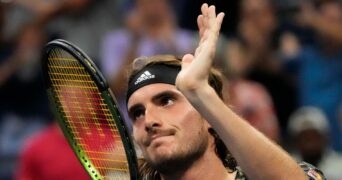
(209, 166)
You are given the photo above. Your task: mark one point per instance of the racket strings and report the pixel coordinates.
(87, 115)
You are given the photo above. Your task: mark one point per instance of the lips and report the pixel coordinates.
(157, 134)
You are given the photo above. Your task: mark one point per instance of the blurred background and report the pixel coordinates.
(281, 60)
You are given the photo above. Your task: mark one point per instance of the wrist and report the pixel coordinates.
(197, 93)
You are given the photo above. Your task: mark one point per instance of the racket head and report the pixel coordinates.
(88, 113)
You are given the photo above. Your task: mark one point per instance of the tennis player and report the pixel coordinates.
(183, 127)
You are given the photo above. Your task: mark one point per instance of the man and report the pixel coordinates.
(318, 86)
(309, 130)
(149, 28)
(175, 111)
(48, 155)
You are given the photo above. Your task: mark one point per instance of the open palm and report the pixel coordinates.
(195, 68)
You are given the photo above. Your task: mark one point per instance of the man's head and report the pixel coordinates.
(309, 128)
(330, 11)
(153, 12)
(171, 65)
(168, 129)
(260, 14)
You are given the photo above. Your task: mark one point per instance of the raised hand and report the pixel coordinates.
(195, 68)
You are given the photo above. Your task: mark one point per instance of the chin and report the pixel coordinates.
(158, 153)
(169, 161)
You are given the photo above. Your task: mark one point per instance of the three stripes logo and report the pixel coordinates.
(144, 76)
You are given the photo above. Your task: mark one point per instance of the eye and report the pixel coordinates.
(166, 100)
(137, 113)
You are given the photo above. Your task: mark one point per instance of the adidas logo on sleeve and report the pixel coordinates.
(144, 76)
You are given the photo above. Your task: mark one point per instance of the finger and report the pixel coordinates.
(205, 22)
(219, 20)
(186, 60)
(200, 25)
(204, 10)
(211, 15)
(217, 23)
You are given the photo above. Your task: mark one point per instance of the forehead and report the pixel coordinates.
(147, 92)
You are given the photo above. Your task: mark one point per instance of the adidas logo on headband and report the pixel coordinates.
(144, 76)
(155, 73)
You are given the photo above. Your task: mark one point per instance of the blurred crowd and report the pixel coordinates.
(281, 61)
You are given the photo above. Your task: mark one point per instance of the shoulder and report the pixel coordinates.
(240, 175)
(311, 171)
(310, 50)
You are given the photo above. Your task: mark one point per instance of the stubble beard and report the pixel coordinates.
(183, 156)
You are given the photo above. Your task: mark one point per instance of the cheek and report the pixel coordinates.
(137, 134)
(191, 120)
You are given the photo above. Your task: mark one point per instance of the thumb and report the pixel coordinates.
(186, 60)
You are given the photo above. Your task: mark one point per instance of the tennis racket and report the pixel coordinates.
(88, 113)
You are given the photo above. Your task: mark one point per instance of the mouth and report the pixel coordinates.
(158, 135)
(153, 138)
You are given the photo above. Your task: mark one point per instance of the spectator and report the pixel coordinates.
(309, 129)
(26, 27)
(24, 105)
(48, 155)
(247, 98)
(82, 22)
(150, 28)
(318, 66)
(257, 29)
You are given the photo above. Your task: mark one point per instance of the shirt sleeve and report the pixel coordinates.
(312, 172)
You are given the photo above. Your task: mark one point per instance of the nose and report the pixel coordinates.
(152, 120)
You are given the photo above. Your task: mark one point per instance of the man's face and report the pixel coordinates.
(311, 145)
(167, 128)
(330, 12)
(153, 11)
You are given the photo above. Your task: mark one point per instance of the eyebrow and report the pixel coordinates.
(162, 94)
(154, 98)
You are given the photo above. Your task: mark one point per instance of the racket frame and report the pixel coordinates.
(106, 94)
